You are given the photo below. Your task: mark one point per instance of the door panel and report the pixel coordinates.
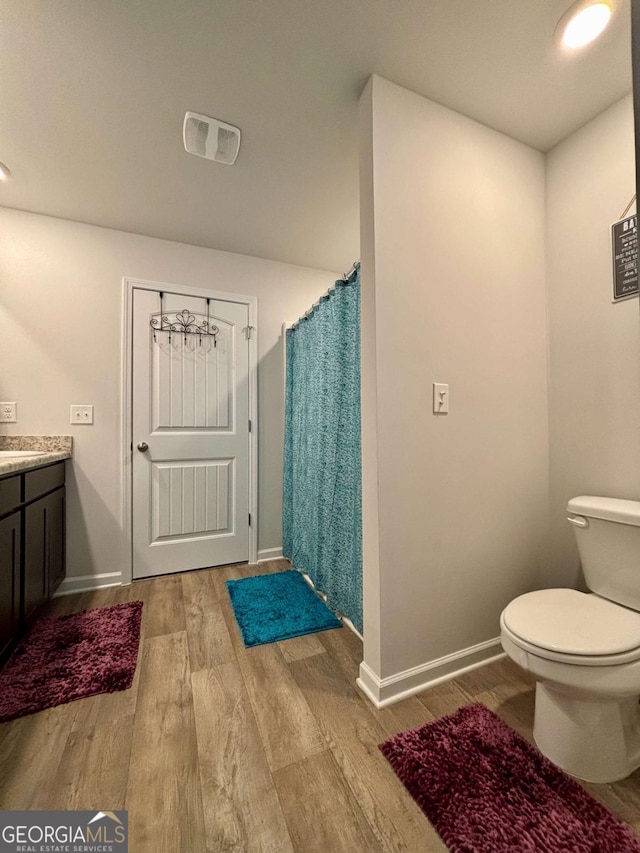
(191, 381)
(192, 497)
(191, 407)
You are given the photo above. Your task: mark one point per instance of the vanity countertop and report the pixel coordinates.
(45, 450)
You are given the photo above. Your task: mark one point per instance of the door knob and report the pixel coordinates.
(142, 446)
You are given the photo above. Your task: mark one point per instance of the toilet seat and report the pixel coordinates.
(573, 627)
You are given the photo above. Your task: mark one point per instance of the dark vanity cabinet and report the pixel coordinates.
(32, 552)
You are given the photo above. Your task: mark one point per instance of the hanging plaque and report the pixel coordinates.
(624, 240)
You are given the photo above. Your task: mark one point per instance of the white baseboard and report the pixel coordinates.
(394, 688)
(86, 583)
(269, 554)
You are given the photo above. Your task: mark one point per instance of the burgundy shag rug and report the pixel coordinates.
(71, 657)
(487, 790)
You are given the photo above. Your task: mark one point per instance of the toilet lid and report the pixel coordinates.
(565, 620)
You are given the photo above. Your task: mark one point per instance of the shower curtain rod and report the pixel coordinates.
(344, 280)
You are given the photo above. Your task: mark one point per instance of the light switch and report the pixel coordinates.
(440, 398)
(81, 414)
(8, 413)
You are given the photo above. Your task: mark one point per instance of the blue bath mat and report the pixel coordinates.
(276, 607)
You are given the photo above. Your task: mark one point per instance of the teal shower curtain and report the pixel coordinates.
(322, 489)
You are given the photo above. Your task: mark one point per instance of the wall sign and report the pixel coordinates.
(624, 239)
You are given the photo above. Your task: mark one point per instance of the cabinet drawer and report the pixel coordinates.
(9, 494)
(43, 480)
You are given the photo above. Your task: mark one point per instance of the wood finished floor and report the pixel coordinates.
(221, 748)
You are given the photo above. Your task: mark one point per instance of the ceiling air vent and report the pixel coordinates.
(211, 138)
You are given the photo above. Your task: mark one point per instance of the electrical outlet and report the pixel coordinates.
(81, 414)
(9, 413)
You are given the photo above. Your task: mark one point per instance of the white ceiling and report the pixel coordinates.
(93, 95)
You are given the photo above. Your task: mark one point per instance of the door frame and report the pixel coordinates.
(129, 285)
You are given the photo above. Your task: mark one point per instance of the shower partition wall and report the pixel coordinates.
(322, 490)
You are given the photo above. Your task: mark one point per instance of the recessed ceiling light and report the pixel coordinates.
(583, 23)
(5, 173)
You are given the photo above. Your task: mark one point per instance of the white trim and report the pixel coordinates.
(394, 688)
(85, 583)
(126, 432)
(252, 303)
(284, 369)
(128, 286)
(265, 554)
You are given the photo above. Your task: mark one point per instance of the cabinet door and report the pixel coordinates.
(9, 581)
(55, 541)
(43, 550)
(35, 557)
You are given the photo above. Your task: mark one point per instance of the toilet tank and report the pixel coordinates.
(608, 536)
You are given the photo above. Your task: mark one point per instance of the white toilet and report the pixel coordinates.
(584, 648)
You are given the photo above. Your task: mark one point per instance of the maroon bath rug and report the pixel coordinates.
(71, 657)
(487, 790)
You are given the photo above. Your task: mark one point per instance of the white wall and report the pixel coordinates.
(369, 388)
(594, 344)
(60, 343)
(453, 291)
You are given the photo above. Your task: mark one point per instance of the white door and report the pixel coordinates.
(190, 430)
